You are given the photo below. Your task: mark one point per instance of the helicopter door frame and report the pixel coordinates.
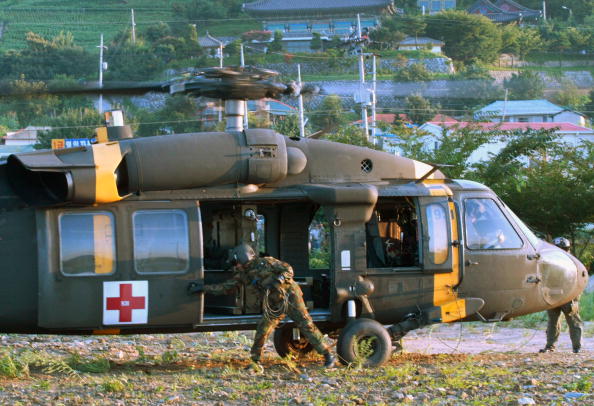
(95, 282)
(439, 234)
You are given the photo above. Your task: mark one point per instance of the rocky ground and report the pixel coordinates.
(459, 364)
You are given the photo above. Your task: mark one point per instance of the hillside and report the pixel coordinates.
(88, 19)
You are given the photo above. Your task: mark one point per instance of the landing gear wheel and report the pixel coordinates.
(285, 343)
(364, 341)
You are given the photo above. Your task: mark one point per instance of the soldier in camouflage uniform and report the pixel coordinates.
(571, 311)
(280, 296)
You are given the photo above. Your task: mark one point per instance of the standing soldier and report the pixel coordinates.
(571, 311)
(280, 295)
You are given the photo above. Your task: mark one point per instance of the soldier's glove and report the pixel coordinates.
(196, 287)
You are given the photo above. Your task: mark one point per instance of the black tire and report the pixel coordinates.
(364, 341)
(284, 344)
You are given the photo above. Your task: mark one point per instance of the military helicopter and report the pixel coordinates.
(111, 238)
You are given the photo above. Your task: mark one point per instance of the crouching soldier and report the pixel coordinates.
(280, 296)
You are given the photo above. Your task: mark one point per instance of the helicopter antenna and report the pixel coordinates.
(434, 167)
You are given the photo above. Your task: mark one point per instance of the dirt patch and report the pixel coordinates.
(444, 365)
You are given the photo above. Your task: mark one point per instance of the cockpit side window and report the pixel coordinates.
(392, 235)
(487, 227)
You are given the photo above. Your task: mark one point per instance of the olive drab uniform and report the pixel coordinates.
(280, 296)
(574, 322)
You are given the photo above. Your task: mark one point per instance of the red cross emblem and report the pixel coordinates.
(125, 302)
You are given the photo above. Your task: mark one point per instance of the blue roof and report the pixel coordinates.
(520, 107)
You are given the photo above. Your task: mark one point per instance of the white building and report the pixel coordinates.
(529, 111)
(25, 136)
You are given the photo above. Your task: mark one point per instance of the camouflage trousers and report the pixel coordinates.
(297, 311)
(571, 311)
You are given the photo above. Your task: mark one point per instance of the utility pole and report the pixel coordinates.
(101, 69)
(133, 27)
(373, 99)
(301, 122)
(245, 105)
(220, 66)
(362, 89)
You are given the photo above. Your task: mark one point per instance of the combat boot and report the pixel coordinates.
(329, 360)
(576, 350)
(548, 348)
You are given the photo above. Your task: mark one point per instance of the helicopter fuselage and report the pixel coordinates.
(109, 239)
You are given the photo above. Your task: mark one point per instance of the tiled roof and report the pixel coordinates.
(390, 117)
(507, 126)
(264, 8)
(520, 107)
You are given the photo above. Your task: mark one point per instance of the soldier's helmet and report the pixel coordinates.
(562, 243)
(241, 254)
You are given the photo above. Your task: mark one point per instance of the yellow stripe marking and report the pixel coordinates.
(443, 283)
(107, 157)
(453, 311)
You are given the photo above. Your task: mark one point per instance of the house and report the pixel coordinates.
(25, 136)
(529, 111)
(569, 133)
(391, 142)
(503, 11)
(212, 44)
(298, 21)
(421, 44)
(435, 6)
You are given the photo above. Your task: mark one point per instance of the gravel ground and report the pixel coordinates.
(458, 364)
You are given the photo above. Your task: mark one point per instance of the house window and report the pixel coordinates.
(435, 5)
(87, 243)
(161, 241)
(522, 119)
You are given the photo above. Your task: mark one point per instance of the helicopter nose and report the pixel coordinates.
(563, 276)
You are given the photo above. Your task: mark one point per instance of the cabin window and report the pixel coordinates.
(87, 243)
(392, 235)
(261, 233)
(437, 229)
(319, 241)
(487, 227)
(161, 242)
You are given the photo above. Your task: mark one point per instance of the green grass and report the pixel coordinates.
(88, 19)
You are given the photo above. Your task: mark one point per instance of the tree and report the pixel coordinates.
(43, 59)
(525, 85)
(329, 114)
(316, 42)
(178, 115)
(419, 109)
(277, 43)
(589, 107)
(553, 194)
(570, 96)
(416, 72)
(546, 183)
(350, 134)
(73, 123)
(289, 126)
(388, 35)
(467, 37)
(29, 102)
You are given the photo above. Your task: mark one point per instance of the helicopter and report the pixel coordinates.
(113, 237)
